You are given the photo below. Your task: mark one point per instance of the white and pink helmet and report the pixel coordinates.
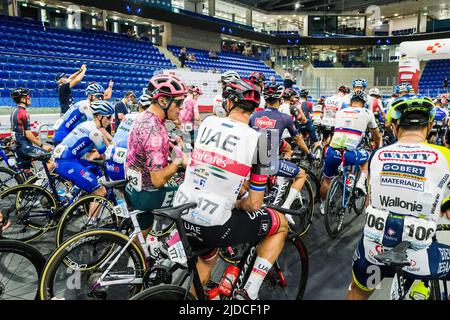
(166, 85)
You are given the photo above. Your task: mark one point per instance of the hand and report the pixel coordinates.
(83, 67)
(3, 226)
(312, 156)
(446, 213)
(47, 148)
(111, 83)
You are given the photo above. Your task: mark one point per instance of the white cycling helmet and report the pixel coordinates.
(145, 100)
(374, 91)
(229, 76)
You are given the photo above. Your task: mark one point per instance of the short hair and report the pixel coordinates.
(246, 106)
(129, 94)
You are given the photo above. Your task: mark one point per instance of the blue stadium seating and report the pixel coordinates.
(433, 76)
(227, 61)
(33, 59)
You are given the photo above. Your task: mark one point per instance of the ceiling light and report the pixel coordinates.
(382, 17)
(396, 15)
(297, 5)
(279, 16)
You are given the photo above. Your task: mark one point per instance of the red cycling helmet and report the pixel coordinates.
(242, 90)
(196, 89)
(257, 77)
(166, 85)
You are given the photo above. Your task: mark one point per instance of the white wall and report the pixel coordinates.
(403, 23)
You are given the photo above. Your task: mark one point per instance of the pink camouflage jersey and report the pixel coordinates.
(148, 147)
(190, 109)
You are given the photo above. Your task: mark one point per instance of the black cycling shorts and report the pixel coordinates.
(25, 153)
(242, 227)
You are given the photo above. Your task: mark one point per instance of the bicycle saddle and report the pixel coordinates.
(114, 184)
(396, 257)
(300, 212)
(40, 156)
(174, 213)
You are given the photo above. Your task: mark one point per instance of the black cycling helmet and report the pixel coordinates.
(361, 96)
(304, 93)
(19, 93)
(343, 89)
(289, 93)
(273, 91)
(242, 90)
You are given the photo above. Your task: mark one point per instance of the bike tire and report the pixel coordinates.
(164, 292)
(302, 224)
(330, 211)
(270, 289)
(36, 228)
(435, 290)
(72, 213)
(29, 253)
(60, 255)
(11, 177)
(357, 195)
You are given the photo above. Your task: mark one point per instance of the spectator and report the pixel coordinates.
(183, 57)
(234, 47)
(224, 47)
(123, 107)
(212, 54)
(191, 57)
(129, 33)
(288, 82)
(65, 84)
(272, 60)
(272, 80)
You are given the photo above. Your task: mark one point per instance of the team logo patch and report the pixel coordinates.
(265, 122)
(416, 156)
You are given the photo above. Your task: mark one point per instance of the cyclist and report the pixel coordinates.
(228, 144)
(20, 123)
(147, 168)
(376, 103)
(332, 105)
(116, 153)
(189, 115)
(272, 118)
(259, 80)
(358, 85)
(440, 120)
(68, 155)
(77, 113)
(317, 112)
(408, 192)
(351, 125)
(307, 127)
(218, 109)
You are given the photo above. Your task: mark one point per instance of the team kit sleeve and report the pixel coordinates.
(97, 138)
(372, 123)
(86, 110)
(290, 126)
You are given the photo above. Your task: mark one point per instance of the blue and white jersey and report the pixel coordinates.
(78, 113)
(117, 150)
(81, 140)
(441, 116)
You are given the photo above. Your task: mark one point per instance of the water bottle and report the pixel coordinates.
(228, 280)
(62, 194)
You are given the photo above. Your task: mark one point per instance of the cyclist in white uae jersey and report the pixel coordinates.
(224, 156)
(409, 191)
(351, 125)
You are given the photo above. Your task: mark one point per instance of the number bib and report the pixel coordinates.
(176, 250)
(419, 232)
(212, 209)
(120, 155)
(187, 127)
(134, 179)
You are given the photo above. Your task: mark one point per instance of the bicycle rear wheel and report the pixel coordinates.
(20, 268)
(334, 213)
(288, 277)
(164, 292)
(304, 200)
(9, 179)
(359, 198)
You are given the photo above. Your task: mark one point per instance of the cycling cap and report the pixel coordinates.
(166, 86)
(102, 107)
(289, 93)
(145, 100)
(417, 104)
(257, 77)
(19, 93)
(359, 83)
(229, 76)
(242, 90)
(360, 95)
(273, 91)
(94, 88)
(374, 91)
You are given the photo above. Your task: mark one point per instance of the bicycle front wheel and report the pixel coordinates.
(164, 292)
(288, 276)
(31, 212)
(334, 213)
(77, 270)
(20, 268)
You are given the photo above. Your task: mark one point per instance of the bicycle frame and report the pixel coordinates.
(353, 170)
